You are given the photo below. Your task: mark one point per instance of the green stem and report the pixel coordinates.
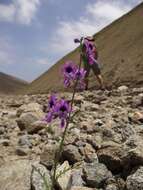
(57, 157)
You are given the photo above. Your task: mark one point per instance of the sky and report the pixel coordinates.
(35, 34)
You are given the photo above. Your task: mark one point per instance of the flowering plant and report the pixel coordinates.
(69, 70)
(61, 109)
(58, 109)
(71, 73)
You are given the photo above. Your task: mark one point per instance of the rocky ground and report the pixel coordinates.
(104, 145)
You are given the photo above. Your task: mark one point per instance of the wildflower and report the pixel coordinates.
(52, 101)
(72, 73)
(49, 116)
(80, 74)
(68, 72)
(62, 109)
(57, 109)
(69, 69)
(50, 109)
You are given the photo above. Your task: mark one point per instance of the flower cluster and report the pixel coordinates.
(71, 73)
(58, 109)
(61, 108)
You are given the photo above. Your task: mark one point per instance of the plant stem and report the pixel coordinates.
(58, 154)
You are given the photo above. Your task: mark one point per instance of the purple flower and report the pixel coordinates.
(49, 116)
(50, 108)
(62, 109)
(52, 101)
(68, 71)
(71, 73)
(80, 74)
(59, 109)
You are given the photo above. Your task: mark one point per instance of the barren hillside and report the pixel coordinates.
(120, 48)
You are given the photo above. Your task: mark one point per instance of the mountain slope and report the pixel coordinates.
(10, 84)
(120, 47)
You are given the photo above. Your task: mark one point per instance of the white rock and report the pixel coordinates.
(64, 180)
(122, 88)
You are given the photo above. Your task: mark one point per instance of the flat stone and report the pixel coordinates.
(24, 140)
(31, 107)
(36, 126)
(15, 175)
(76, 178)
(71, 154)
(22, 151)
(64, 180)
(136, 117)
(111, 157)
(96, 174)
(5, 142)
(25, 120)
(122, 88)
(37, 181)
(81, 188)
(135, 180)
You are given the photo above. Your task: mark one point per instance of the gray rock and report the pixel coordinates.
(81, 188)
(111, 155)
(15, 175)
(64, 180)
(25, 141)
(96, 141)
(136, 117)
(89, 153)
(48, 155)
(12, 114)
(111, 187)
(133, 154)
(37, 181)
(89, 106)
(31, 107)
(96, 174)
(127, 132)
(36, 126)
(112, 184)
(2, 130)
(120, 183)
(22, 151)
(25, 120)
(137, 101)
(135, 180)
(71, 154)
(76, 179)
(35, 139)
(98, 122)
(5, 142)
(122, 89)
